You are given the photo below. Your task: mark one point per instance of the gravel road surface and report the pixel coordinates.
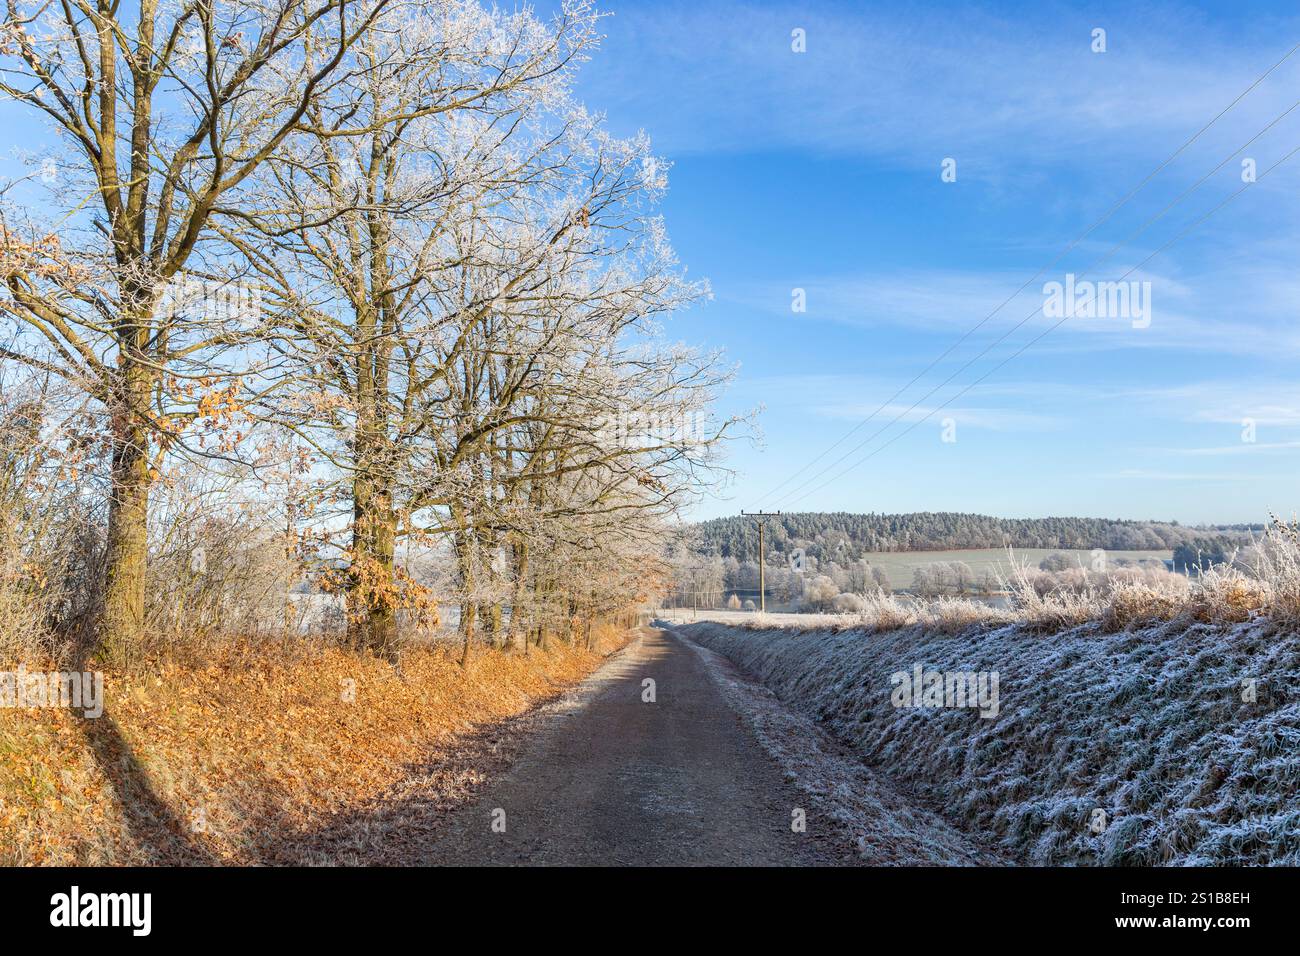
(610, 778)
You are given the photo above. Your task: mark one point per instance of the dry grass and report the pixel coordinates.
(1264, 586)
(223, 761)
(1133, 604)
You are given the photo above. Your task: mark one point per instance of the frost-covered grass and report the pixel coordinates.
(1148, 725)
(1171, 705)
(883, 826)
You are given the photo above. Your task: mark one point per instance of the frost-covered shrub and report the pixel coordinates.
(819, 593)
(939, 577)
(847, 603)
(1227, 596)
(884, 612)
(954, 615)
(1056, 561)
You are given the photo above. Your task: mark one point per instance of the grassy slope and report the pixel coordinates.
(1148, 725)
(231, 761)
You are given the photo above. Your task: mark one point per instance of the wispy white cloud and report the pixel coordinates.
(1147, 475)
(1262, 401)
(1248, 311)
(915, 85)
(845, 398)
(1244, 448)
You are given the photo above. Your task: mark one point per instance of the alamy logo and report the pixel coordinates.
(931, 688)
(214, 300)
(1083, 299)
(82, 691)
(103, 909)
(632, 429)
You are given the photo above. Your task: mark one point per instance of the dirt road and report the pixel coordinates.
(613, 778)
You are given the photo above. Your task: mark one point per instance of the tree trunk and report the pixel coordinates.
(571, 631)
(372, 618)
(465, 550)
(468, 618)
(540, 598)
(121, 626)
(121, 629)
(373, 624)
(518, 617)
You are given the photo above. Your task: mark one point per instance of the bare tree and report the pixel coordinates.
(162, 110)
(363, 229)
(458, 284)
(389, 232)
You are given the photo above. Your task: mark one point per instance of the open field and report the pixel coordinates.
(900, 565)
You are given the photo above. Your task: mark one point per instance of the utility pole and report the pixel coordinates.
(762, 580)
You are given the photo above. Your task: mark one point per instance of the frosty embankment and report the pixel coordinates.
(1168, 744)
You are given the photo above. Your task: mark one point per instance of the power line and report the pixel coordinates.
(1024, 348)
(1134, 191)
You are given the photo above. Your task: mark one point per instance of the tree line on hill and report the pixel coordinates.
(827, 534)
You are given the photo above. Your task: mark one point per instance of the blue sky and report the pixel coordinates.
(821, 171)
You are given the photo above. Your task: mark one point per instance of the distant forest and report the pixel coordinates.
(720, 566)
(820, 534)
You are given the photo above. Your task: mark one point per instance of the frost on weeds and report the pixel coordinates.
(1148, 724)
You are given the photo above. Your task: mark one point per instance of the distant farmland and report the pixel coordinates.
(900, 565)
